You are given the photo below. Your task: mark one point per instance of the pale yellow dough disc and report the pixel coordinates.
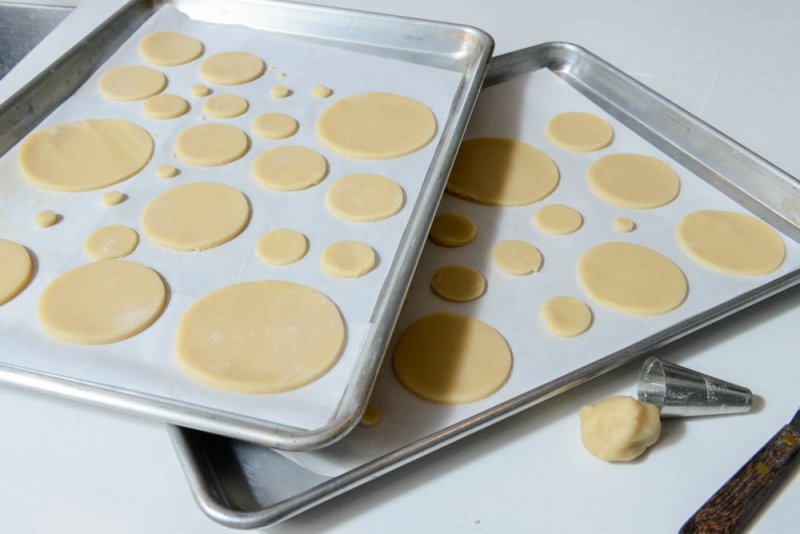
(321, 91)
(168, 49)
(125, 84)
(501, 172)
(274, 126)
(452, 359)
(16, 269)
(84, 155)
(376, 126)
(632, 279)
(633, 181)
(452, 230)
(110, 242)
(225, 106)
(102, 302)
(166, 171)
(517, 257)
(558, 219)
(372, 415)
(731, 242)
(112, 198)
(578, 131)
(165, 106)
(260, 337)
(348, 259)
(364, 198)
(282, 247)
(280, 91)
(196, 216)
(289, 168)
(566, 316)
(45, 219)
(200, 90)
(231, 68)
(624, 225)
(210, 145)
(458, 283)
(619, 429)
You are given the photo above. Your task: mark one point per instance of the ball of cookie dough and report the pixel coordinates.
(619, 429)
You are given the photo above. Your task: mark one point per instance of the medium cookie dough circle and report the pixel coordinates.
(125, 84)
(376, 126)
(280, 91)
(211, 145)
(166, 171)
(452, 230)
(110, 242)
(501, 172)
(566, 316)
(632, 279)
(289, 168)
(274, 126)
(558, 219)
(225, 106)
(624, 225)
(281, 247)
(458, 283)
(165, 106)
(348, 259)
(195, 216)
(452, 359)
(200, 90)
(321, 91)
(168, 49)
(231, 68)
(633, 181)
(112, 198)
(517, 257)
(580, 132)
(102, 302)
(260, 337)
(364, 198)
(731, 242)
(84, 155)
(16, 269)
(45, 219)
(619, 429)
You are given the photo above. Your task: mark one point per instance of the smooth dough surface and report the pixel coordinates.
(45, 219)
(279, 91)
(231, 68)
(619, 429)
(210, 145)
(566, 316)
(195, 216)
(260, 337)
(517, 257)
(84, 155)
(632, 279)
(102, 302)
(624, 225)
(579, 131)
(321, 91)
(376, 126)
(501, 172)
(200, 90)
(364, 198)
(282, 247)
(274, 126)
(166, 171)
(112, 198)
(731, 242)
(225, 106)
(168, 49)
(458, 283)
(289, 168)
(452, 230)
(165, 106)
(111, 242)
(125, 84)
(558, 219)
(633, 181)
(452, 359)
(16, 269)
(348, 259)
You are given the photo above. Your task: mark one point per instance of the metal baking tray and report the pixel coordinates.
(244, 486)
(459, 49)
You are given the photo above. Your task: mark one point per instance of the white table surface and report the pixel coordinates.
(66, 467)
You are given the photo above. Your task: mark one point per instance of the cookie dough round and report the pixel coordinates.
(260, 337)
(281, 247)
(452, 230)
(84, 155)
(274, 126)
(632, 279)
(168, 49)
(200, 90)
(558, 219)
(579, 131)
(110, 242)
(364, 198)
(112, 198)
(501, 172)
(452, 359)
(166, 171)
(165, 106)
(731, 242)
(372, 415)
(196, 216)
(348, 259)
(102, 302)
(211, 145)
(45, 219)
(624, 225)
(231, 68)
(16, 269)
(321, 91)
(633, 181)
(566, 316)
(619, 429)
(376, 126)
(289, 168)
(458, 283)
(125, 84)
(517, 257)
(280, 91)
(225, 106)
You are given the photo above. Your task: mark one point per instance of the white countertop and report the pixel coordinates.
(71, 468)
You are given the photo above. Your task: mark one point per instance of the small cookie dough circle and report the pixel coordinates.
(632, 279)
(501, 172)
(280, 91)
(321, 91)
(348, 259)
(110, 242)
(452, 230)
(375, 126)
(225, 106)
(558, 219)
(16, 269)
(517, 257)
(168, 49)
(731, 242)
(84, 155)
(45, 219)
(289, 168)
(633, 181)
(619, 429)
(231, 68)
(624, 225)
(364, 198)
(566, 316)
(260, 337)
(281, 247)
(452, 359)
(102, 302)
(129, 83)
(211, 145)
(372, 415)
(195, 216)
(458, 283)
(112, 198)
(200, 90)
(165, 106)
(280, 74)
(274, 126)
(166, 171)
(580, 132)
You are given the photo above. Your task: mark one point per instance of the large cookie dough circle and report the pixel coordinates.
(580, 132)
(376, 126)
(566, 316)
(364, 198)
(101, 302)
(260, 337)
(168, 49)
(458, 283)
(452, 359)
(730, 242)
(501, 172)
(289, 168)
(196, 216)
(231, 68)
(210, 145)
(348, 259)
(274, 126)
(84, 155)
(452, 230)
(125, 84)
(558, 219)
(633, 181)
(111, 242)
(632, 279)
(16, 269)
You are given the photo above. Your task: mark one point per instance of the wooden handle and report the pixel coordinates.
(730, 508)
